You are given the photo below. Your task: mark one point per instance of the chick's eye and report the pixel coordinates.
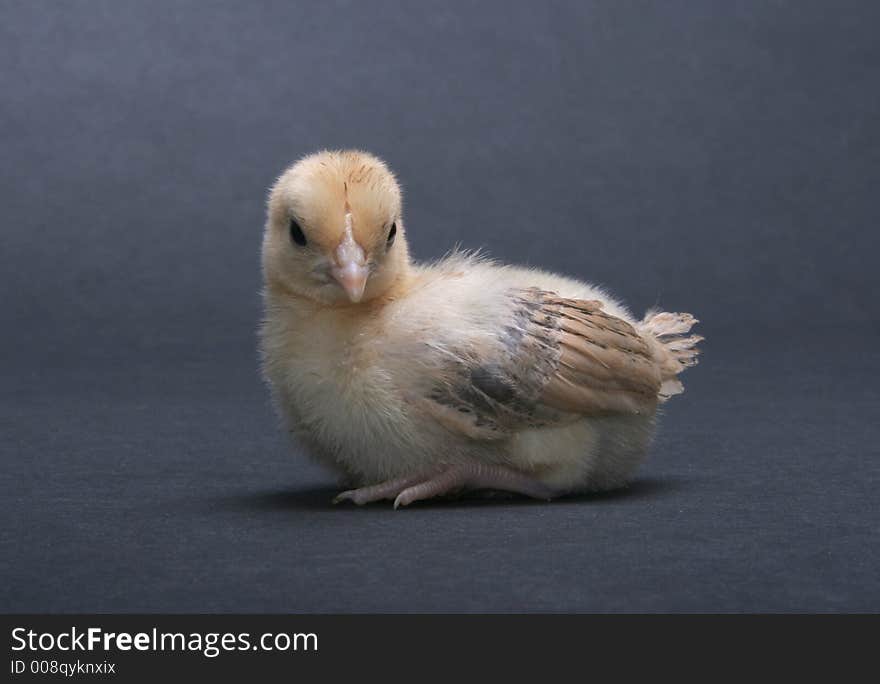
(296, 233)
(391, 234)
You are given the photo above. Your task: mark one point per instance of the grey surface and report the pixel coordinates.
(721, 158)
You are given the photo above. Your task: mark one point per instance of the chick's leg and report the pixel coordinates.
(384, 490)
(474, 476)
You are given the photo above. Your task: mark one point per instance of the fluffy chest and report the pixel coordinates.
(336, 366)
(334, 384)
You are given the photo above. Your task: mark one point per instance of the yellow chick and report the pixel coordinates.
(417, 380)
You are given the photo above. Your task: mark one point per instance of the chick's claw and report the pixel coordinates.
(384, 490)
(475, 476)
(407, 490)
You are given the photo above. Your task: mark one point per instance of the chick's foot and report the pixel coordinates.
(474, 476)
(384, 490)
(406, 490)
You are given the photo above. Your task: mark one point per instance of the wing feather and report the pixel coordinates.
(561, 359)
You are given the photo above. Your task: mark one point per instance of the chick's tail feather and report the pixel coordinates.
(673, 346)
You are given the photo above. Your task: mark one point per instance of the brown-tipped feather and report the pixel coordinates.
(604, 366)
(674, 351)
(572, 358)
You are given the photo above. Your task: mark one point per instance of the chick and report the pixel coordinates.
(417, 380)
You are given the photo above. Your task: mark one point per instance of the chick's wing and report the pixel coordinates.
(556, 360)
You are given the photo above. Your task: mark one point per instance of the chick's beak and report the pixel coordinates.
(351, 268)
(353, 278)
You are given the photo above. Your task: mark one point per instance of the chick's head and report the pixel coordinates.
(334, 232)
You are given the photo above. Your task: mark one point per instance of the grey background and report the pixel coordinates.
(715, 157)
